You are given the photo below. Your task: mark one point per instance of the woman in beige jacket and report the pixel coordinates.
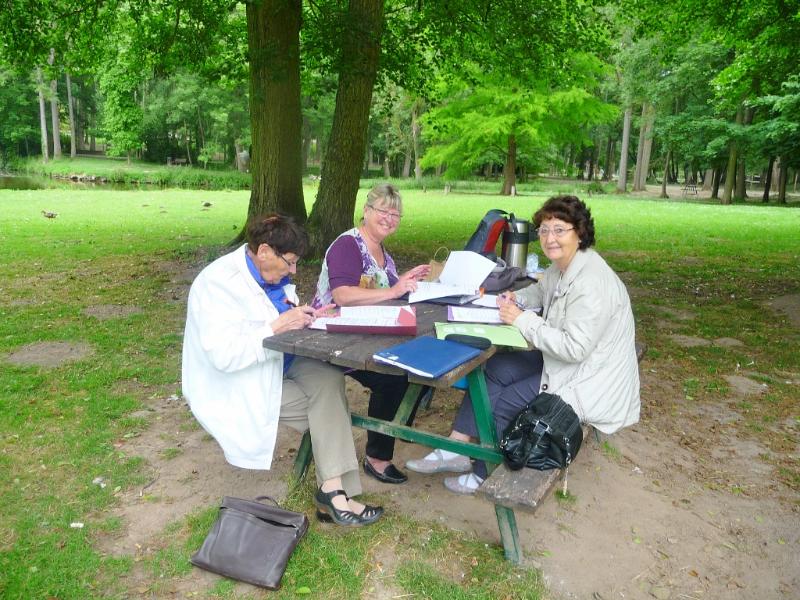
(584, 342)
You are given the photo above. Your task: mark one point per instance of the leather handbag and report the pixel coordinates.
(546, 434)
(251, 541)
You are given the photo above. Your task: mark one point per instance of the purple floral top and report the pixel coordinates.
(348, 262)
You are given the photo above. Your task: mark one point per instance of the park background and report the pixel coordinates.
(677, 122)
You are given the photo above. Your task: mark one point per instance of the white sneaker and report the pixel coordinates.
(435, 462)
(463, 484)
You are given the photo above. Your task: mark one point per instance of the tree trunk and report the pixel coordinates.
(707, 179)
(622, 181)
(715, 183)
(510, 168)
(609, 159)
(768, 179)
(336, 198)
(643, 151)
(415, 137)
(73, 140)
(407, 164)
(273, 45)
(733, 157)
(782, 181)
(42, 115)
(55, 120)
(387, 173)
(666, 174)
(306, 147)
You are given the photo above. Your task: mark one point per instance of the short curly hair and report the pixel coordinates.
(571, 210)
(279, 232)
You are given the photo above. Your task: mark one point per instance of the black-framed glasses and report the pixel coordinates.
(386, 213)
(292, 264)
(543, 232)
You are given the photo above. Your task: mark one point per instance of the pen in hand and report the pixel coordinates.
(516, 302)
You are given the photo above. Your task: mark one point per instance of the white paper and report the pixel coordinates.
(475, 315)
(466, 268)
(430, 289)
(462, 275)
(487, 300)
(362, 316)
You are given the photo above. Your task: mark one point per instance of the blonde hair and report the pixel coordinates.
(385, 194)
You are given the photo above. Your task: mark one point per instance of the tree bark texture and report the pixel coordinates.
(768, 179)
(782, 178)
(645, 146)
(707, 179)
(335, 204)
(73, 141)
(415, 137)
(666, 174)
(42, 115)
(510, 167)
(56, 122)
(733, 157)
(622, 181)
(273, 44)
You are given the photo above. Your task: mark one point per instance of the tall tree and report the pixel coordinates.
(358, 69)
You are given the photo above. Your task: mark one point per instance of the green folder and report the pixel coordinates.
(499, 335)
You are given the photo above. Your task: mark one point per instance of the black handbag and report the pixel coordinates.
(546, 434)
(251, 541)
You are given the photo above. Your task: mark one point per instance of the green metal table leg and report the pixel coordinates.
(303, 458)
(507, 524)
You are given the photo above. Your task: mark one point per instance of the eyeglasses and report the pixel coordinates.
(291, 264)
(559, 232)
(387, 214)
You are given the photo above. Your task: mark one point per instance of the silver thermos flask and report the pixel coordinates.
(515, 241)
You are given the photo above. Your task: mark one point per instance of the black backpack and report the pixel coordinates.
(488, 232)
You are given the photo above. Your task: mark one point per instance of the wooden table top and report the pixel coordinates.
(355, 351)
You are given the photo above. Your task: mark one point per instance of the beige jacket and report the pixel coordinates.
(586, 335)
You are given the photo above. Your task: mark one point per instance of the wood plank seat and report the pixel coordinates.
(526, 489)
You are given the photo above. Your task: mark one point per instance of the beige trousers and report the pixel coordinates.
(314, 399)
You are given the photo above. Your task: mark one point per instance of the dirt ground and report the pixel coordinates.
(679, 508)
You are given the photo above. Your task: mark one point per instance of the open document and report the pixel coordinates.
(473, 315)
(390, 320)
(462, 275)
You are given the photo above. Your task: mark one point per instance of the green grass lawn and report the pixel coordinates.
(58, 425)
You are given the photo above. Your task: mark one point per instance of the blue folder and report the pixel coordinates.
(427, 356)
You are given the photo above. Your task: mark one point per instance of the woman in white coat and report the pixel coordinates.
(584, 343)
(239, 391)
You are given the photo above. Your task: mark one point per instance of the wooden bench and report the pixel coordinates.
(690, 188)
(527, 488)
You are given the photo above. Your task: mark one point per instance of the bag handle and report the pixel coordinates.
(270, 498)
(445, 248)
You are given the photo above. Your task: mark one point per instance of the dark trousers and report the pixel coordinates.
(512, 380)
(387, 393)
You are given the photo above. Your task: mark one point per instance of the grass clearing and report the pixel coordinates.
(693, 269)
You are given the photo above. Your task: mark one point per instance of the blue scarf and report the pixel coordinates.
(276, 295)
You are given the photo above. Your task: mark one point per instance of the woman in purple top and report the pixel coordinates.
(358, 270)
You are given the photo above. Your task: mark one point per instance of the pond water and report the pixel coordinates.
(29, 182)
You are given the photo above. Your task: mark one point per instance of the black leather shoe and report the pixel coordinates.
(326, 511)
(391, 474)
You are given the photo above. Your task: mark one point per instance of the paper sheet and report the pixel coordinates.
(463, 275)
(473, 315)
(487, 300)
(372, 316)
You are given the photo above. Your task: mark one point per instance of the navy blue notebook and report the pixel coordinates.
(427, 356)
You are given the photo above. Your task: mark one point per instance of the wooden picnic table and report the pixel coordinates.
(354, 351)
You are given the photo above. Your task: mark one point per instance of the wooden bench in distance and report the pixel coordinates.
(525, 489)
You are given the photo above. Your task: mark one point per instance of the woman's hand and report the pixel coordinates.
(298, 317)
(509, 310)
(407, 282)
(325, 311)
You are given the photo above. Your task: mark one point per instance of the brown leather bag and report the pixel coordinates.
(251, 541)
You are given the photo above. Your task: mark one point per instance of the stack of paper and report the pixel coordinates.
(462, 275)
(473, 315)
(390, 320)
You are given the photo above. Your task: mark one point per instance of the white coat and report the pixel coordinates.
(586, 335)
(232, 383)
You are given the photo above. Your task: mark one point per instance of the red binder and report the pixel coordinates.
(406, 324)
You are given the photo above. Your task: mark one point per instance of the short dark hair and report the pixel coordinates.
(571, 210)
(279, 232)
